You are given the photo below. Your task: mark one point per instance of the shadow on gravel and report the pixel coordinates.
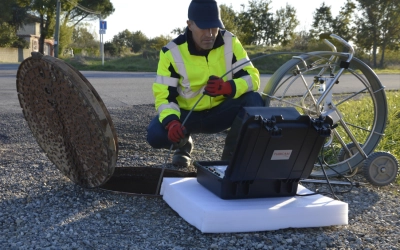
(4, 138)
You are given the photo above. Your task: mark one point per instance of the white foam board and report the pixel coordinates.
(211, 214)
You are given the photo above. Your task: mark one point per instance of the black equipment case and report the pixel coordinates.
(276, 148)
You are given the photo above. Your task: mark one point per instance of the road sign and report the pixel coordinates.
(102, 32)
(103, 25)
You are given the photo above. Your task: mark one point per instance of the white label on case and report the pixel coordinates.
(281, 155)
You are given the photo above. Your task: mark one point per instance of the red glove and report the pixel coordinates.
(176, 131)
(216, 86)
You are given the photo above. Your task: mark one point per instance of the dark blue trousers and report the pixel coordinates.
(208, 121)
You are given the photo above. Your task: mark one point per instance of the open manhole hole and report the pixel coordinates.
(140, 180)
(73, 127)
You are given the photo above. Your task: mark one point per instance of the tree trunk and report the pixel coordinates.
(383, 48)
(374, 49)
(44, 30)
(42, 36)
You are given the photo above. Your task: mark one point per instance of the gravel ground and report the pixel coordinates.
(42, 209)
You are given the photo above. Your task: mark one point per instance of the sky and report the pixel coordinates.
(160, 17)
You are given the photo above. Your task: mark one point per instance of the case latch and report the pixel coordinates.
(322, 125)
(270, 126)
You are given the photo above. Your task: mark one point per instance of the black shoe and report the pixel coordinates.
(182, 156)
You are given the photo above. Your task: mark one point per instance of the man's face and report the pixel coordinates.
(203, 38)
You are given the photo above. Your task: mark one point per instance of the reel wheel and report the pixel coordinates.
(381, 168)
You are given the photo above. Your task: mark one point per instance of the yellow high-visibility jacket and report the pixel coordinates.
(183, 73)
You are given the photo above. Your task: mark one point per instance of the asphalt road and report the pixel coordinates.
(118, 89)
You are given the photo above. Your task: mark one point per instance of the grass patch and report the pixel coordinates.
(390, 141)
(387, 71)
(266, 61)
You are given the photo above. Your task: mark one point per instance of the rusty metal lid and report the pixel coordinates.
(68, 119)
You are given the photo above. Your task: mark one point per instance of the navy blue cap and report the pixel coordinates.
(205, 13)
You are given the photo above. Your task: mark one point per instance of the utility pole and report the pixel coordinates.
(57, 31)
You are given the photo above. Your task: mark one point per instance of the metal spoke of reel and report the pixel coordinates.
(303, 83)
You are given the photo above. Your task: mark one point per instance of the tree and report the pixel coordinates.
(134, 41)
(111, 49)
(121, 40)
(258, 25)
(229, 19)
(82, 37)
(301, 41)
(178, 31)
(260, 15)
(138, 41)
(73, 14)
(13, 13)
(84, 40)
(88, 10)
(158, 42)
(284, 23)
(9, 38)
(378, 26)
(247, 27)
(65, 38)
(343, 24)
(46, 11)
(322, 21)
(13, 17)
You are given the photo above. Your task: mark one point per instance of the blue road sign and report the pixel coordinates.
(103, 25)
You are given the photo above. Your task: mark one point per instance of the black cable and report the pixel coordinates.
(262, 56)
(163, 169)
(328, 182)
(315, 193)
(340, 175)
(172, 146)
(347, 179)
(274, 54)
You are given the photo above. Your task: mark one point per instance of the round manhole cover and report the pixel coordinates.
(68, 119)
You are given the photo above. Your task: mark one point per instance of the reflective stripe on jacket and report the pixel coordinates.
(183, 73)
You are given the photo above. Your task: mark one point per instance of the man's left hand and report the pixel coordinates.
(216, 86)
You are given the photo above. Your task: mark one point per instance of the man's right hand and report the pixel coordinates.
(216, 86)
(176, 131)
